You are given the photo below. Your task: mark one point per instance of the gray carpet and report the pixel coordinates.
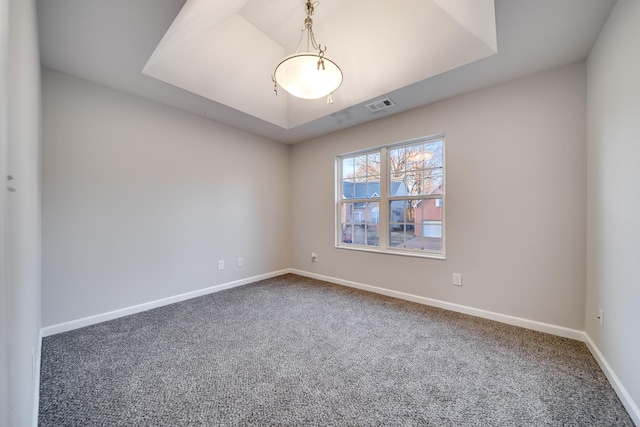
(293, 351)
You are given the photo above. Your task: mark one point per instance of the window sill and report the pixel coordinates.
(399, 252)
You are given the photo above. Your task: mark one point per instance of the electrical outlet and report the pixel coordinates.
(220, 264)
(601, 317)
(457, 279)
(314, 257)
(239, 264)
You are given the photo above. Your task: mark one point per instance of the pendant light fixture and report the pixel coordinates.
(308, 75)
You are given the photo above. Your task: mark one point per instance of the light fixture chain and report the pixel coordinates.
(300, 42)
(311, 7)
(291, 74)
(317, 46)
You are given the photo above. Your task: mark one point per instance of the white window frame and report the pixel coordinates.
(384, 200)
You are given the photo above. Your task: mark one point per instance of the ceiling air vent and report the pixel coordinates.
(379, 105)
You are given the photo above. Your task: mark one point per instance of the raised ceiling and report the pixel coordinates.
(111, 42)
(226, 50)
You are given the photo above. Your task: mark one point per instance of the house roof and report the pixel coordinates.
(366, 190)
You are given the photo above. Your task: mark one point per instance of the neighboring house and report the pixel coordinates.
(361, 213)
(424, 219)
(428, 216)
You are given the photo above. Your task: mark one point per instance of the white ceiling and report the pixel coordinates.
(227, 50)
(110, 41)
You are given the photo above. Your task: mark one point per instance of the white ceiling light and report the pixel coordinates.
(308, 75)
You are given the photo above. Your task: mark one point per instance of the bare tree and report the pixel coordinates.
(419, 167)
(367, 166)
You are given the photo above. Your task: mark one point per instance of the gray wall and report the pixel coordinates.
(20, 211)
(141, 200)
(614, 194)
(4, 247)
(516, 198)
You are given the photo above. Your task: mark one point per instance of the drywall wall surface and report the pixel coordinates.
(140, 201)
(515, 207)
(614, 194)
(5, 392)
(21, 211)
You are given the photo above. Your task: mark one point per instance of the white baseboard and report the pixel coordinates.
(621, 391)
(103, 317)
(503, 318)
(36, 382)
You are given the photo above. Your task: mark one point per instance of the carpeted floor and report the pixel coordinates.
(293, 351)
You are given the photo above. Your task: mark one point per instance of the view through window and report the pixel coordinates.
(391, 198)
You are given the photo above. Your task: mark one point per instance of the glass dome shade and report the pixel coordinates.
(300, 75)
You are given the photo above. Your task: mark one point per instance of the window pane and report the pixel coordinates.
(373, 164)
(361, 234)
(416, 169)
(346, 222)
(402, 225)
(432, 181)
(414, 181)
(348, 189)
(416, 224)
(373, 187)
(361, 176)
(360, 167)
(348, 170)
(429, 224)
(433, 154)
(397, 187)
(347, 213)
(360, 223)
(397, 163)
(375, 215)
(372, 210)
(347, 233)
(396, 235)
(373, 235)
(423, 182)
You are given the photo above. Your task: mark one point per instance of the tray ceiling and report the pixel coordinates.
(110, 43)
(226, 50)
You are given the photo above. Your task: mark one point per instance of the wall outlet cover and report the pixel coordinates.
(457, 279)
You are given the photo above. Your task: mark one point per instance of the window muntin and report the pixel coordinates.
(360, 195)
(409, 199)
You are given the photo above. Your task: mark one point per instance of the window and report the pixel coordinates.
(360, 197)
(391, 199)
